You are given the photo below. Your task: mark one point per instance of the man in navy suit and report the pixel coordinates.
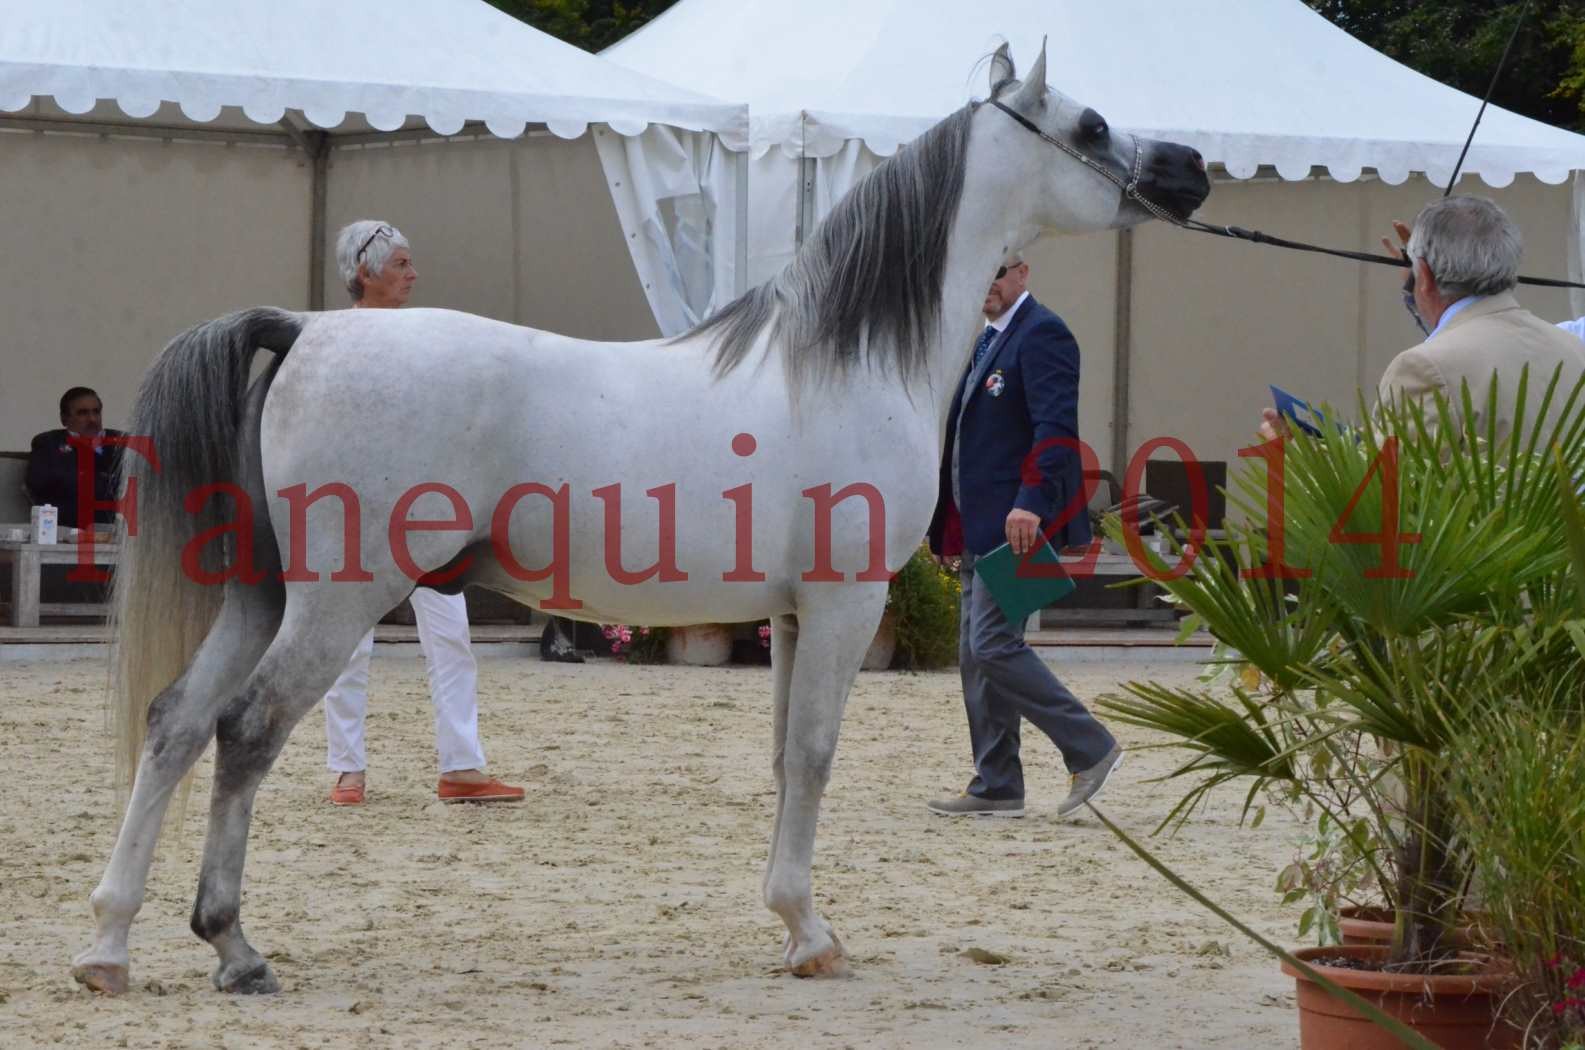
(53, 460)
(1010, 471)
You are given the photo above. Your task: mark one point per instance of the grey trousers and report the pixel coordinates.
(1005, 680)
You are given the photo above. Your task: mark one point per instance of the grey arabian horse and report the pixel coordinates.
(790, 456)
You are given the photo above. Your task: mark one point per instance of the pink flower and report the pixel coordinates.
(1578, 980)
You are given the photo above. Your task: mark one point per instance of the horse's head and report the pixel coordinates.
(1088, 175)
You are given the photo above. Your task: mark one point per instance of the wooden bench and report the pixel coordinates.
(27, 561)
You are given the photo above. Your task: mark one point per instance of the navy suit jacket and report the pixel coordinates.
(1016, 430)
(52, 475)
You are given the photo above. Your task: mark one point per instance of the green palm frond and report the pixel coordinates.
(1246, 738)
(1573, 523)
(1256, 618)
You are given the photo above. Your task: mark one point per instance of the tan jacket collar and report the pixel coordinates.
(1485, 307)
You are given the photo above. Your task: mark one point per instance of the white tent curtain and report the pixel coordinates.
(775, 187)
(675, 195)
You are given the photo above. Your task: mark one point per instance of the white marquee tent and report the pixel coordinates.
(1309, 129)
(163, 161)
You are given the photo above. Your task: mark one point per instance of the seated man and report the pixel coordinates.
(53, 463)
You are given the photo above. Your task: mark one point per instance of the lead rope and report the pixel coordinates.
(1130, 190)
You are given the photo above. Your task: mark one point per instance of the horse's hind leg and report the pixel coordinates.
(834, 629)
(290, 679)
(181, 721)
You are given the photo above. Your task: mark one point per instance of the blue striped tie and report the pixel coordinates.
(982, 344)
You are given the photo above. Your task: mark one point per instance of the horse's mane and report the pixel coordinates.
(866, 285)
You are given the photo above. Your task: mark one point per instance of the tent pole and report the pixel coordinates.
(1122, 351)
(145, 130)
(319, 159)
(316, 147)
(740, 272)
(806, 185)
(806, 199)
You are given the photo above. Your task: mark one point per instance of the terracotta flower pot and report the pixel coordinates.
(1372, 925)
(1455, 1011)
(1365, 925)
(884, 646)
(702, 645)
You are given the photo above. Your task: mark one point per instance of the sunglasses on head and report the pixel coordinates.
(377, 231)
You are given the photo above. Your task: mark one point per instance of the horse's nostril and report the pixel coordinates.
(1199, 161)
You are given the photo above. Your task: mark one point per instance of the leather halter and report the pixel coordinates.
(1130, 188)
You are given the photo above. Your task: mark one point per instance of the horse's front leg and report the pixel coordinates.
(835, 625)
(783, 650)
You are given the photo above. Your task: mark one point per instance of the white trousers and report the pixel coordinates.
(453, 689)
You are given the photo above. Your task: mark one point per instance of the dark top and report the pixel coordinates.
(1016, 430)
(52, 475)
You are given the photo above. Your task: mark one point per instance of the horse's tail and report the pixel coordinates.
(189, 409)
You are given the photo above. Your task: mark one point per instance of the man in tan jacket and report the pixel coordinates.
(1465, 253)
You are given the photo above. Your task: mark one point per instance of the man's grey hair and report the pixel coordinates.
(368, 242)
(1470, 245)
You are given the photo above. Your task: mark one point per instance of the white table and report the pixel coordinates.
(27, 561)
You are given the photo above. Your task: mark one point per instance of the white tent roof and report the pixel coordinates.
(1247, 82)
(444, 61)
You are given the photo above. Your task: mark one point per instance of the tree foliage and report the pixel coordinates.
(590, 24)
(1459, 42)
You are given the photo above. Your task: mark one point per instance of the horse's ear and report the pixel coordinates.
(1002, 70)
(1033, 90)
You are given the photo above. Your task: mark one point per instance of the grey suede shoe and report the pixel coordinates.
(974, 806)
(1087, 785)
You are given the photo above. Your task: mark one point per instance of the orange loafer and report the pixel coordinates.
(491, 790)
(348, 795)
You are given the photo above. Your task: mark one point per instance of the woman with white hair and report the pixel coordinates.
(376, 262)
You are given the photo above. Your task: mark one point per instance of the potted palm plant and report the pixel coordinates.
(1410, 581)
(1520, 794)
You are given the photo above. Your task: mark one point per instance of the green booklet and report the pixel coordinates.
(1022, 583)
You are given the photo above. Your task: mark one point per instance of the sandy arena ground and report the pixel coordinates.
(620, 906)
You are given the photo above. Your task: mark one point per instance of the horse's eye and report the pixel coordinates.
(1093, 126)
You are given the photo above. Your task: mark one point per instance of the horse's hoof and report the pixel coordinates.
(256, 980)
(104, 978)
(830, 962)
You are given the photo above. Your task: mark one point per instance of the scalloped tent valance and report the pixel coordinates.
(394, 63)
(1247, 82)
